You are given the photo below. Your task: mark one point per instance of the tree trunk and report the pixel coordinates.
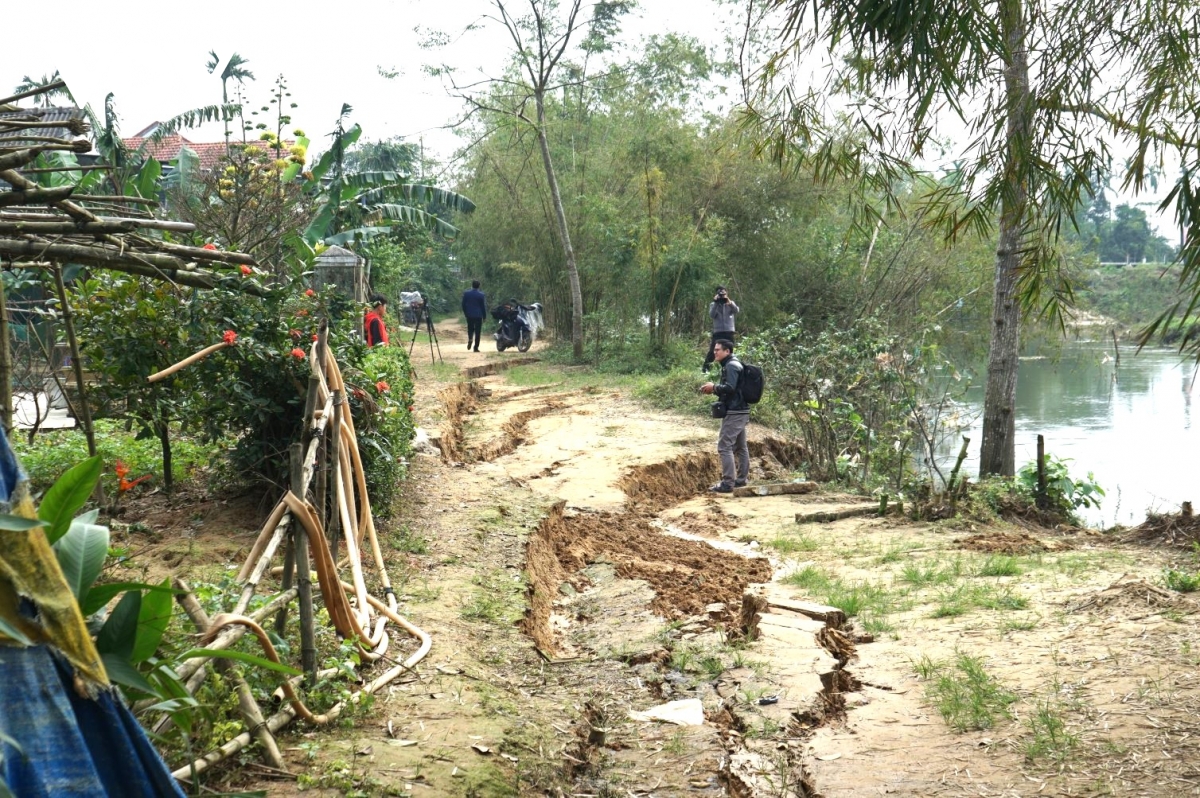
(6, 368)
(997, 452)
(564, 234)
(164, 440)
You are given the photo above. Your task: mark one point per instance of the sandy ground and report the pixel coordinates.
(575, 571)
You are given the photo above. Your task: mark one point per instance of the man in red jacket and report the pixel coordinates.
(373, 327)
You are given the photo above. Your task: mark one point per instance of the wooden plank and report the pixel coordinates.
(836, 515)
(831, 616)
(775, 489)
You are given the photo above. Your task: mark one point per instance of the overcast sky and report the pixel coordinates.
(152, 56)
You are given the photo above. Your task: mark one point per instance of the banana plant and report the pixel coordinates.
(363, 204)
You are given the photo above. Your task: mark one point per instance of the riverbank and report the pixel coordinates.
(573, 572)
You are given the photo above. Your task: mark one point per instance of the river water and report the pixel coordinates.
(1130, 426)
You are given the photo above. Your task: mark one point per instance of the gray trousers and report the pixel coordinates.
(731, 445)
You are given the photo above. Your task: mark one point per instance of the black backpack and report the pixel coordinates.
(752, 383)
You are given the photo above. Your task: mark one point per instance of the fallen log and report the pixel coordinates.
(824, 516)
(832, 616)
(776, 489)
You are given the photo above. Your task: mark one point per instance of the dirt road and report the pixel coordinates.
(571, 569)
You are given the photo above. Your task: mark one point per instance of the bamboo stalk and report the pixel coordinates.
(247, 706)
(231, 635)
(147, 223)
(85, 413)
(251, 585)
(18, 158)
(35, 196)
(116, 198)
(55, 86)
(6, 369)
(187, 361)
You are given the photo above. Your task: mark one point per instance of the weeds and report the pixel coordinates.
(964, 598)
(999, 565)
(791, 544)
(963, 693)
(1181, 581)
(1049, 736)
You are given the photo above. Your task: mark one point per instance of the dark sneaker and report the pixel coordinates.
(741, 483)
(721, 487)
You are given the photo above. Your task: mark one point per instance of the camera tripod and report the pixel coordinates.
(422, 312)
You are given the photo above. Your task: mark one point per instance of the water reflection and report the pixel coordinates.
(1132, 426)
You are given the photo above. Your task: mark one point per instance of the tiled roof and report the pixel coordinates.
(167, 149)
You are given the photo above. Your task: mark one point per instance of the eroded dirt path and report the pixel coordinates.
(574, 571)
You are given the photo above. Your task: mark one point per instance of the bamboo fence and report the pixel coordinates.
(327, 499)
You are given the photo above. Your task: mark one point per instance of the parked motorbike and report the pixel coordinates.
(518, 325)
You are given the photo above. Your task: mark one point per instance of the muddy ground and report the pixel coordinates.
(573, 570)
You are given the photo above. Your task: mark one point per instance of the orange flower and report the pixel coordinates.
(382, 386)
(229, 337)
(209, 245)
(315, 336)
(310, 292)
(298, 353)
(246, 270)
(124, 484)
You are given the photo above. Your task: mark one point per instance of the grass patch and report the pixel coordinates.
(1181, 581)
(964, 598)
(785, 543)
(1049, 737)
(497, 599)
(999, 565)
(808, 578)
(921, 575)
(963, 693)
(870, 603)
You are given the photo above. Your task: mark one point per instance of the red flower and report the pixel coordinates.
(229, 337)
(359, 393)
(246, 270)
(295, 333)
(298, 353)
(124, 484)
(315, 336)
(310, 292)
(209, 245)
(301, 312)
(410, 408)
(382, 386)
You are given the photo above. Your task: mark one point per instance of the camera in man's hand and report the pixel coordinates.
(722, 296)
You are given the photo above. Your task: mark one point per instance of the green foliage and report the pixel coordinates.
(54, 451)
(963, 693)
(1049, 737)
(858, 398)
(1181, 581)
(1063, 493)
(381, 396)
(67, 497)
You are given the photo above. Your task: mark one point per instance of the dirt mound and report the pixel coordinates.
(496, 366)
(1136, 595)
(708, 523)
(686, 575)
(1181, 530)
(1007, 542)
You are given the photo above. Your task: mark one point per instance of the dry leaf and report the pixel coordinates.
(483, 749)
(402, 743)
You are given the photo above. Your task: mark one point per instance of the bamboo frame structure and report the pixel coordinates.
(297, 527)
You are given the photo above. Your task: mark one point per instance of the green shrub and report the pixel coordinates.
(1064, 494)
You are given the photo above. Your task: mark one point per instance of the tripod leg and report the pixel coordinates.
(433, 339)
(416, 328)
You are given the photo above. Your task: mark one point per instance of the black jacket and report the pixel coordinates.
(729, 389)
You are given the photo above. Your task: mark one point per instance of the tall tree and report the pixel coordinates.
(1047, 91)
(235, 69)
(540, 41)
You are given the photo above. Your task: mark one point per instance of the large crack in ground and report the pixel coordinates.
(582, 565)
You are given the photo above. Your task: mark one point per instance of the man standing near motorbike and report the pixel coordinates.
(721, 310)
(474, 307)
(734, 413)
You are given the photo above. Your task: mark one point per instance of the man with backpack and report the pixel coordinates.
(734, 411)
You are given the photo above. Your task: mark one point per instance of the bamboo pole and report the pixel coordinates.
(35, 196)
(36, 90)
(146, 223)
(251, 713)
(6, 368)
(231, 635)
(85, 413)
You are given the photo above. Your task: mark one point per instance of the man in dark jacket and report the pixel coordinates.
(474, 307)
(732, 447)
(722, 311)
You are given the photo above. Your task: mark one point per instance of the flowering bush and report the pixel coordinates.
(383, 419)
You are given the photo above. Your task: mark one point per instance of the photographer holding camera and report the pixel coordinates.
(734, 413)
(721, 310)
